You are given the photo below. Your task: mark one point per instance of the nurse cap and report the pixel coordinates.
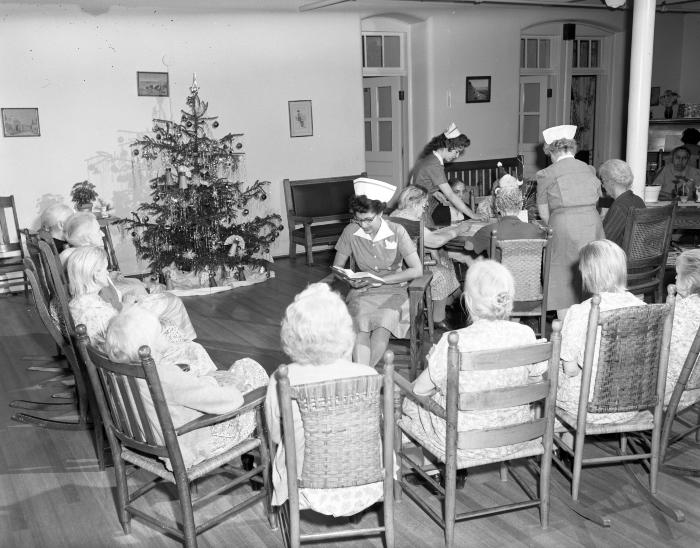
(374, 189)
(558, 132)
(508, 181)
(452, 132)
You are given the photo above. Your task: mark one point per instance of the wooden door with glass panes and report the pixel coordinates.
(383, 116)
(533, 120)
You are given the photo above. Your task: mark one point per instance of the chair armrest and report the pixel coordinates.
(420, 284)
(426, 402)
(300, 219)
(251, 400)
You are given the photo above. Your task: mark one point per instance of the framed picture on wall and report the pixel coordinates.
(478, 89)
(152, 84)
(301, 121)
(20, 122)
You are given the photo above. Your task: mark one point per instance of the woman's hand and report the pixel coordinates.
(571, 369)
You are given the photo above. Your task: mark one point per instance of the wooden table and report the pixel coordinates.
(687, 214)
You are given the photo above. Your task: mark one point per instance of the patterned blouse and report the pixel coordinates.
(686, 320)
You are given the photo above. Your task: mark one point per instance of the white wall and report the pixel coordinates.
(668, 56)
(690, 65)
(80, 71)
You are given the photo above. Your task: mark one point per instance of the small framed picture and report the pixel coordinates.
(478, 89)
(654, 98)
(152, 84)
(301, 121)
(20, 122)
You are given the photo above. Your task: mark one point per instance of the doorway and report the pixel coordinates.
(384, 126)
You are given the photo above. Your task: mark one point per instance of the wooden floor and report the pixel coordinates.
(53, 495)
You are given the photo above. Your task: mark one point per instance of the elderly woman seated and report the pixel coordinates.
(379, 308)
(686, 321)
(603, 267)
(617, 180)
(88, 277)
(53, 218)
(318, 335)
(444, 284)
(509, 203)
(489, 290)
(192, 384)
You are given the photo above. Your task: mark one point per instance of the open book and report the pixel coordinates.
(347, 274)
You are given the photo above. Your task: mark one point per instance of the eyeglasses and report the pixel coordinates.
(366, 221)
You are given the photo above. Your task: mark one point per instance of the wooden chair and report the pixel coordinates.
(646, 242)
(529, 262)
(11, 251)
(684, 400)
(343, 426)
(529, 439)
(321, 207)
(630, 377)
(483, 174)
(65, 345)
(136, 440)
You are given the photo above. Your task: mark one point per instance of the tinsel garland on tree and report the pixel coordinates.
(197, 203)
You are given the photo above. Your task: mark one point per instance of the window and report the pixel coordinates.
(381, 50)
(586, 53)
(535, 52)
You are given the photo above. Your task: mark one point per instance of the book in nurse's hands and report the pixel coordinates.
(347, 274)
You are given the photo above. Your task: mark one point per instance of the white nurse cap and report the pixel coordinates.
(558, 132)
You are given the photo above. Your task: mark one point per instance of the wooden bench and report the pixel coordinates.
(480, 175)
(317, 211)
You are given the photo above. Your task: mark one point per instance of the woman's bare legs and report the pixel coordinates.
(361, 353)
(379, 340)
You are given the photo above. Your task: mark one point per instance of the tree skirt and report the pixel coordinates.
(185, 284)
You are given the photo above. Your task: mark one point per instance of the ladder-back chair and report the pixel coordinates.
(632, 345)
(138, 439)
(11, 251)
(530, 438)
(529, 261)
(646, 242)
(346, 444)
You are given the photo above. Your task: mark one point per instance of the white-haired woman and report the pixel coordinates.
(53, 219)
(317, 334)
(88, 277)
(603, 267)
(686, 321)
(412, 202)
(617, 178)
(191, 382)
(567, 195)
(489, 290)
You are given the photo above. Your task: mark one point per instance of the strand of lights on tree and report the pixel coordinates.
(199, 217)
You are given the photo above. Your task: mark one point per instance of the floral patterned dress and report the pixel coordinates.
(481, 335)
(686, 320)
(573, 342)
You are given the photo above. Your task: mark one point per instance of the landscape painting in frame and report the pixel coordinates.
(20, 122)
(152, 84)
(478, 89)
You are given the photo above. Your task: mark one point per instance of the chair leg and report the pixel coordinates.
(673, 513)
(122, 494)
(389, 522)
(545, 477)
(292, 248)
(188, 528)
(504, 471)
(578, 463)
(449, 504)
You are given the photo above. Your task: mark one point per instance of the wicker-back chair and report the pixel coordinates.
(136, 439)
(11, 250)
(529, 439)
(685, 398)
(342, 422)
(631, 376)
(529, 262)
(64, 343)
(646, 242)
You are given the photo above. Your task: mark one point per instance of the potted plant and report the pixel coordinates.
(83, 195)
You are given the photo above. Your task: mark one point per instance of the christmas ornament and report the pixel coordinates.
(215, 124)
(158, 136)
(263, 196)
(246, 212)
(189, 255)
(136, 152)
(189, 124)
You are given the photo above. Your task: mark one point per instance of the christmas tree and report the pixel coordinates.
(199, 218)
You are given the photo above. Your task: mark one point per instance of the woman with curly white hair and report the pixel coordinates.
(318, 335)
(489, 291)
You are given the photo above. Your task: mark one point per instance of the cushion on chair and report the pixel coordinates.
(474, 457)
(158, 467)
(643, 420)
